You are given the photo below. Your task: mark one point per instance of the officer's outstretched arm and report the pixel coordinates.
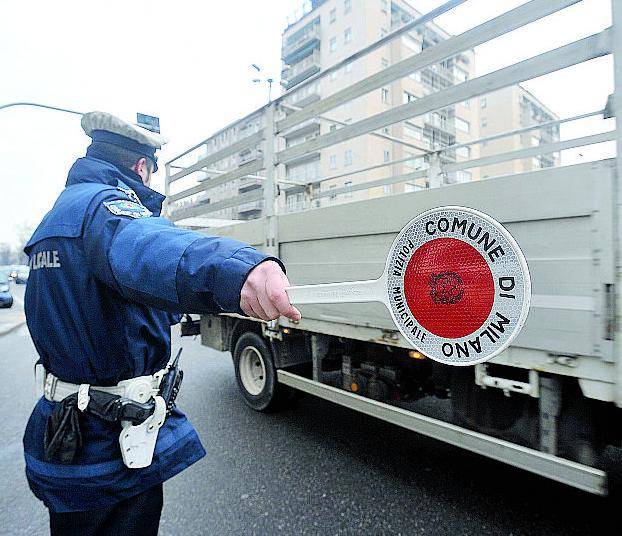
(149, 260)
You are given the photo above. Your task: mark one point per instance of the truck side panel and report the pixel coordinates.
(561, 217)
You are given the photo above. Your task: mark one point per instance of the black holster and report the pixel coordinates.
(63, 438)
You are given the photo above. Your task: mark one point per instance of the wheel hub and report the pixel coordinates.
(252, 370)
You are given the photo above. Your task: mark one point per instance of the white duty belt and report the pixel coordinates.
(137, 442)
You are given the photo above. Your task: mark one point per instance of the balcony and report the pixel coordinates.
(300, 71)
(248, 155)
(437, 77)
(303, 129)
(435, 121)
(250, 211)
(303, 158)
(248, 185)
(307, 97)
(302, 45)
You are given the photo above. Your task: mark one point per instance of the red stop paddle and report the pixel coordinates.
(455, 282)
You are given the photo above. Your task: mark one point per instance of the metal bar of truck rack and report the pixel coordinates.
(546, 148)
(493, 159)
(381, 135)
(343, 124)
(580, 51)
(242, 171)
(240, 145)
(617, 193)
(505, 23)
(200, 210)
(543, 464)
(364, 169)
(535, 126)
(219, 172)
(395, 179)
(227, 127)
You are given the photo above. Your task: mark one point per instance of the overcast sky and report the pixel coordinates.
(188, 63)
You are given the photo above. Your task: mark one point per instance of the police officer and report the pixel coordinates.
(108, 279)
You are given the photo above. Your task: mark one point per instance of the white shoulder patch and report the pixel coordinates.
(127, 208)
(130, 193)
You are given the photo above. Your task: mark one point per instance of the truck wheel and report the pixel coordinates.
(256, 374)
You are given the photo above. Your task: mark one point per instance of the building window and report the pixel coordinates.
(333, 44)
(385, 95)
(332, 196)
(383, 32)
(466, 103)
(387, 155)
(347, 35)
(411, 43)
(413, 131)
(385, 130)
(387, 189)
(333, 161)
(304, 172)
(384, 62)
(482, 102)
(294, 202)
(333, 127)
(535, 141)
(333, 15)
(347, 184)
(410, 187)
(463, 176)
(484, 122)
(416, 76)
(347, 157)
(464, 152)
(460, 74)
(535, 161)
(347, 6)
(408, 97)
(384, 6)
(348, 68)
(334, 74)
(463, 125)
(416, 162)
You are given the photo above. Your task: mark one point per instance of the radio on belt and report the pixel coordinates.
(455, 282)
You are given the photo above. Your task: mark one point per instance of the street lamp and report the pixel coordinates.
(260, 80)
(149, 122)
(38, 105)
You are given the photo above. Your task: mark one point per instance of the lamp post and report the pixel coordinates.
(38, 105)
(260, 80)
(149, 122)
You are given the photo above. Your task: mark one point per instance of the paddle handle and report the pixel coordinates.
(348, 292)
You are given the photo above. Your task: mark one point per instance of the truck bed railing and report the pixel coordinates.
(206, 168)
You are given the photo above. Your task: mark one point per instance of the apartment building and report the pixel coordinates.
(324, 34)
(514, 108)
(332, 30)
(235, 162)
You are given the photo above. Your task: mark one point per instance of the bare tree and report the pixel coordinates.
(6, 253)
(24, 232)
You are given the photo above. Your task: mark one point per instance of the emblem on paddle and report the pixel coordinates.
(455, 282)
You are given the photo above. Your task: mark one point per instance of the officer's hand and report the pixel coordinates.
(263, 294)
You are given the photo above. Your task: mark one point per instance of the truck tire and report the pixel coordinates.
(256, 374)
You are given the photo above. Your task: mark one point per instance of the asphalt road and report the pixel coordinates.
(313, 469)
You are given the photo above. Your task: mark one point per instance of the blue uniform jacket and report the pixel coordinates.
(107, 281)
